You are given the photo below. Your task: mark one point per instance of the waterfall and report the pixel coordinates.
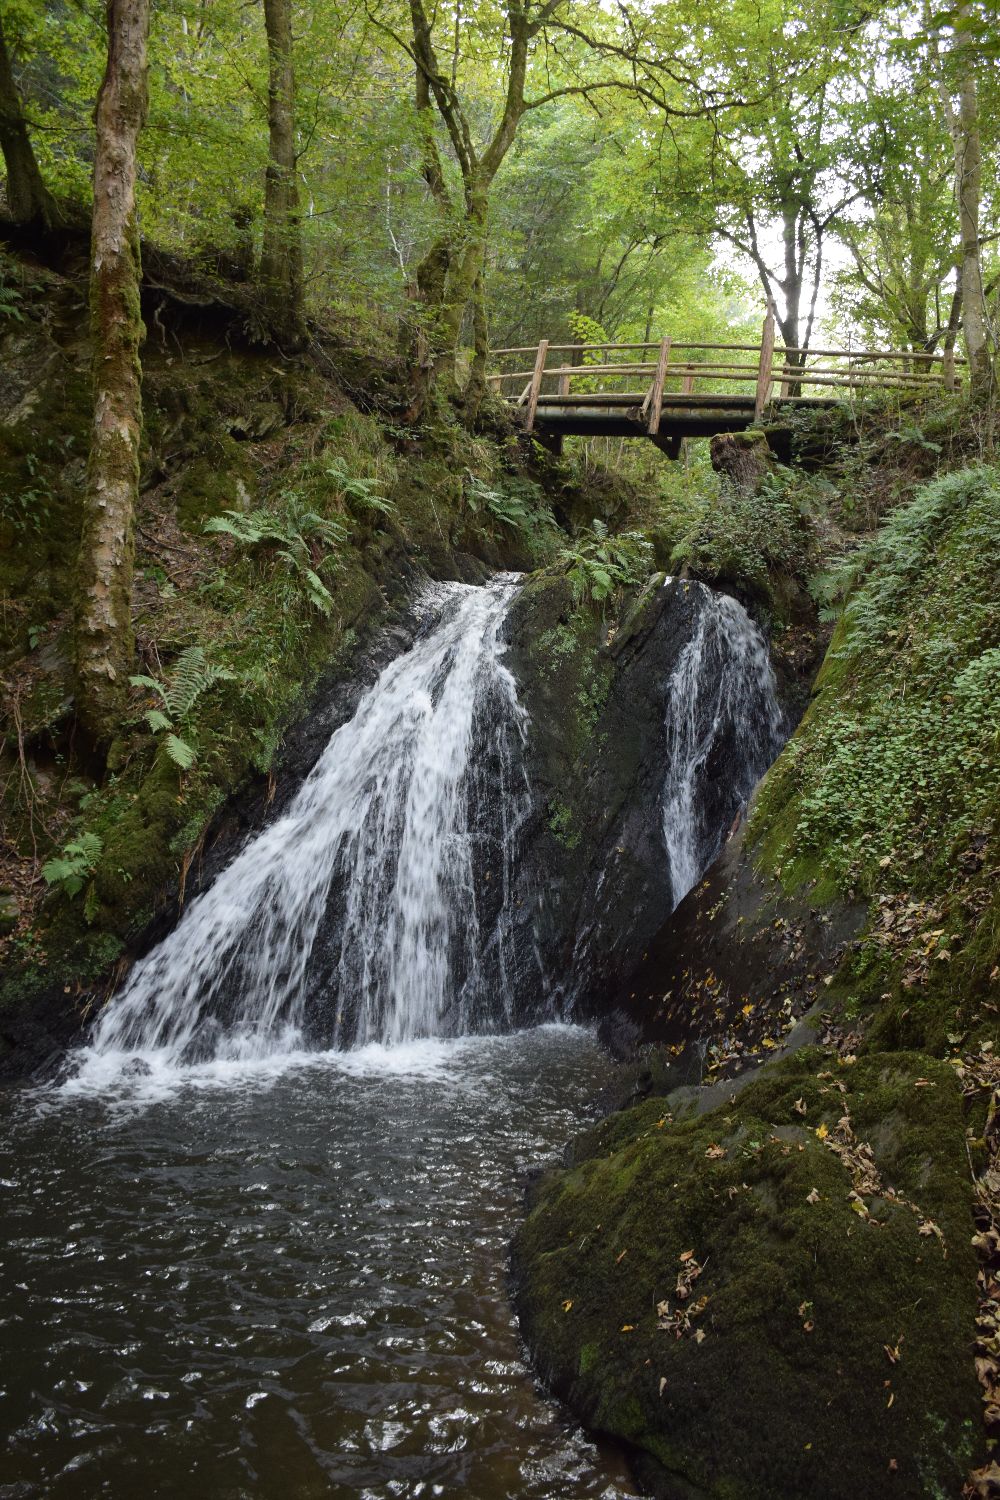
(724, 728)
(367, 894)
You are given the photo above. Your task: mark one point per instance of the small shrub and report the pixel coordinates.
(744, 538)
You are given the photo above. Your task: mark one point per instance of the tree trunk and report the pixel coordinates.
(963, 124)
(458, 257)
(476, 388)
(28, 199)
(104, 639)
(465, 275)
(791, 287)
(743, 458)
(968, 185)
(281, 256)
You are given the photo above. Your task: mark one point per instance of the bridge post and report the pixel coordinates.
(766, 361)
(536, 384)
(656, 393)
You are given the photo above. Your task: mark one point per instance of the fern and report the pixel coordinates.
(505, 508)
(360, 494)
(180, 752)
(599, 564)
(10, 299)
(299, 535)
(193, 675)
(72, 869)
(518, 505)
(190, 678)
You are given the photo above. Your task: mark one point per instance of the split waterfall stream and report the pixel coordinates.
(256, 1233)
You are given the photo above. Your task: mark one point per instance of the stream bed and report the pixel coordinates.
(286, 1278)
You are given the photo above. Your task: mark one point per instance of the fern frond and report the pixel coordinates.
(150, 683)
(180, 752)
(319, 595)
(157, 720)
(187, 682)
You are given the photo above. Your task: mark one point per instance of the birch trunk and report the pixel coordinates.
(104, 638)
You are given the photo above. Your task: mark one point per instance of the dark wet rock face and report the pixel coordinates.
(740, 960)
(604, 741)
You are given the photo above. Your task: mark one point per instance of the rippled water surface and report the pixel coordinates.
(286, 1283)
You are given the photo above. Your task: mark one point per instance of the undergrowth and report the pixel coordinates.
(745, 539)
(896, 766)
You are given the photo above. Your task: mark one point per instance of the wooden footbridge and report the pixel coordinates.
(668, 391)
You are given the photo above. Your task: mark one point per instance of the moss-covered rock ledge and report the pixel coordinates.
(775, 1299)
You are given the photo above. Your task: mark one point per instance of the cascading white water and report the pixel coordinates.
(722, 692)
(379, 845)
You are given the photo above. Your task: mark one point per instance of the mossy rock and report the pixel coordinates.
(836, 1356)
(222, 480)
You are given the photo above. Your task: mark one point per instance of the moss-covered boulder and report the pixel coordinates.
(773, 1300)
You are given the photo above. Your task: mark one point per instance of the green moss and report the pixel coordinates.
(886, 791)
(221, 479)
(757, 1408)
(562, 825)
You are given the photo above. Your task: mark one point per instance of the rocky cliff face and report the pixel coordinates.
(611, 751)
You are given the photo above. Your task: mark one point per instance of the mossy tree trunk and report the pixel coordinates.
(743, 458)
(104, 638)
(28, 199)
(281, 256)
(451, 277)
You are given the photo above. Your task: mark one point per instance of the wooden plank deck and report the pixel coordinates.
(696, 390)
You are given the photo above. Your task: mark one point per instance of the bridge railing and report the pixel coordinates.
(645, 378)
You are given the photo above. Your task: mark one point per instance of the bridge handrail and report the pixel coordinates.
(793, 369)
(779, 349)
(855, 379)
